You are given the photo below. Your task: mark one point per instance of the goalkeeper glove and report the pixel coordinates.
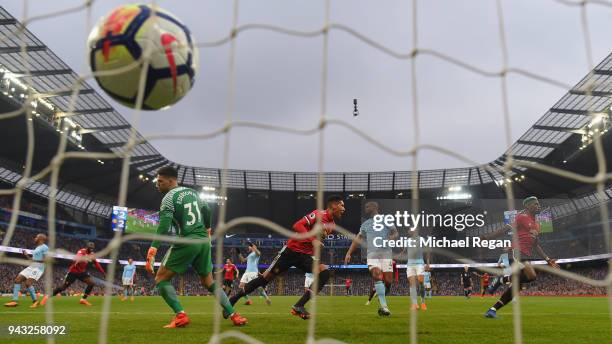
(150, 264)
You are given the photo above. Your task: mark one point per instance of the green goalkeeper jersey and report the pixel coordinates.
(182, 210)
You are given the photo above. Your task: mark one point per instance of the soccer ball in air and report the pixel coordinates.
(125, 37)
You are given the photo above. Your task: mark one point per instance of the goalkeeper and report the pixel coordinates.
(182, 209)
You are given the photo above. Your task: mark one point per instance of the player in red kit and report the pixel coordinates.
(299, 253)
(230, 272)
(78, 270)
(484, 283)
(528, 232)
(347, 284)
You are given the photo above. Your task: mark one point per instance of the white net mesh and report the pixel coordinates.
(416, 53)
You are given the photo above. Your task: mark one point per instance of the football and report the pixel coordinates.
(121, 42)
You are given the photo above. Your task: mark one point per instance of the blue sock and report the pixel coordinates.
(413, 294)
(32, 292)
(125, 292)
(16, 289)
(263, 293)
(380, 290)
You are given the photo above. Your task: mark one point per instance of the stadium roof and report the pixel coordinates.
(570, 115)
(53, 78)
(71, 199)
(94, 116)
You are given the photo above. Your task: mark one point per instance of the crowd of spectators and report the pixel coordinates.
(444, 282)
(23, 237)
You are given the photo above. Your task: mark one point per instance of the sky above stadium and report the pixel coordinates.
(278, 77)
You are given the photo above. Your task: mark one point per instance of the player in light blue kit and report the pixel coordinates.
(129, 271)
(504, 263)
(427, 284)
(32, 273)
(415, 268)
(380, 259)
(251, 273)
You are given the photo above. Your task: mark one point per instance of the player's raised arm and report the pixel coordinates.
(166, 213)
(549, 261)
(165, 223)
(356, 242)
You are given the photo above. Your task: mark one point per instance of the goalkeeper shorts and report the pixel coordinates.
(180, 257)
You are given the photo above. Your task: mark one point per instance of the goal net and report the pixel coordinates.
(21, 42)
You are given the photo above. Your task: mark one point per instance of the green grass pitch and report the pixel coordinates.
(134, 225)
(448, 320)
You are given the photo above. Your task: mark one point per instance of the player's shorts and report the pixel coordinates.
(248, 276)
(73, 276)
(427, 285)
(308, 282)
(385, 265)
(228, 283)
(179, 257)
(414, 270)
(467, 284)
(286, 258)
(127, 281)
(33, 272)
